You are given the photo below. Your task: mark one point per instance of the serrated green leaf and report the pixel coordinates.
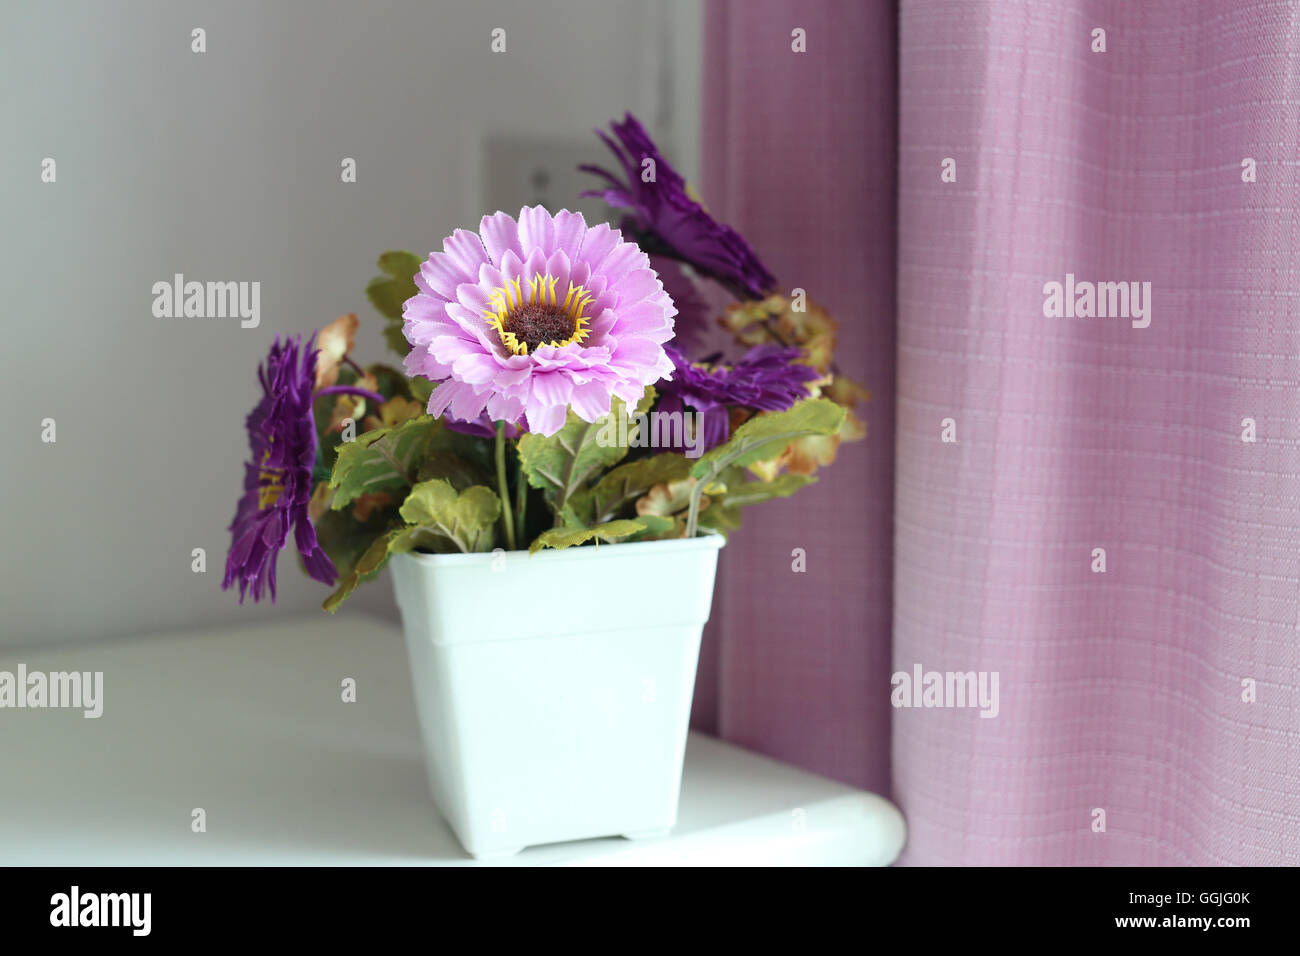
(369, 565)
(762, 438)
(622, 485)
(766, 435)
(422, 539)
(739, 495)
(421, 388)
(466, 518)
(440, 462)
(658, 527)
(560, 538)
(723, 515)
(388, 292)
(561, 465)
(395, 339)
(720, 518)
(390, 381)
(345, 539)
(381, 460)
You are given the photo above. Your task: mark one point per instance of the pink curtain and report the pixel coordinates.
(1157, 697)
(1121, 691)
(800, 157)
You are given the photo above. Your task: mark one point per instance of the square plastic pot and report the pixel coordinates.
(554, 690)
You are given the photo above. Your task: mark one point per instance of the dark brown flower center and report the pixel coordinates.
(535, 325)
(528, 318)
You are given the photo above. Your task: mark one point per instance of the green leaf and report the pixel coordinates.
(623, 485)
(658, 527)
(443, 463)
(465, 518)
(766, 435)
(421, 388)
(345, 539)
(762, 438)
(395, 339)
(369, 565)
(718, 517)
(391, 381)
(560, 538)
(441, 519)
(752, 492)
(561, 465)
(388, 292)
(724, 513)
(382, 459)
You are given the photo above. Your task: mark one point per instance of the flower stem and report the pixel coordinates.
(693, 516)
(350, 390)
(521, 503)
(507, 519)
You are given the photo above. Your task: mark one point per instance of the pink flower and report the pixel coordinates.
(528, 319)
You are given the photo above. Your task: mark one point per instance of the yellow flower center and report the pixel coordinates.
(527, 320)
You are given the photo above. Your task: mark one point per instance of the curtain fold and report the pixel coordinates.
(1123, 691)
(799, 156)
(1114, 531)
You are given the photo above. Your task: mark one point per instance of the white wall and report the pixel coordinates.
(225, 166)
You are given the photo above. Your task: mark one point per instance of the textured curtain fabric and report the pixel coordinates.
(1112, 526)
(1120, 690)
(799, 155)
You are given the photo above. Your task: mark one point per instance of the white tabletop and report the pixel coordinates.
(249, 725)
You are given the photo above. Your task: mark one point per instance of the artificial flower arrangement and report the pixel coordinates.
(541, 357)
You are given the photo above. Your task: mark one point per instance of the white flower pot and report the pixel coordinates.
(554, 690)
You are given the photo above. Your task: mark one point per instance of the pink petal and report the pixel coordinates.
(465, 249)
(635, 352)
(512, 267)
(546, 421)
(473, 297)
(474, 368)
(500, 235)
(448, 348)
(625, 258)
(570, 230)
(599, 243)
(448, 393)
(469, 404)
(635, 286)
(419, 362)
(551, 388)
(644, 318)
(536, 265)
(536, 230)
(630, 392)
(581, 274)
(460, 262)
(503, 408)
(591, 401)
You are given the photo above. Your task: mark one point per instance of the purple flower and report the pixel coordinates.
(527, 319)
(767, 379)
(669, 221)
(277, 478)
